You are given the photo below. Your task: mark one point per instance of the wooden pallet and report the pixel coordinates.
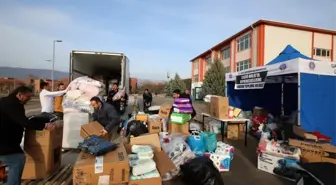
(63, 176)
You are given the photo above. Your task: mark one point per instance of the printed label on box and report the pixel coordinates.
(99, 164)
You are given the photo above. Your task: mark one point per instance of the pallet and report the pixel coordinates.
(63, 176)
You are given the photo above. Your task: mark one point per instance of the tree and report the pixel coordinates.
(168, 88)
(187, 82)
(214, 80)
(176, 83)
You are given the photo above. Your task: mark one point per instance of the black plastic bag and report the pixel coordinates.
(136, 128)
(200, 171)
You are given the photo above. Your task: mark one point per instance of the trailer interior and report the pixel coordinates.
(100, 66)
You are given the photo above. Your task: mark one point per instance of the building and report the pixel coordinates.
(133, 85)
(261, 42)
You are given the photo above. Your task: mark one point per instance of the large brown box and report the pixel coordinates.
(43, 152)
(219, 107)
(112, 168)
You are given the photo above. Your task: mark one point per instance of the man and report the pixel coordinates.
(13, 122)
(187, 92)
(58, 109)
(114, 103)
(46, 97)
(107, 116)
(147, 99)
(177, 94)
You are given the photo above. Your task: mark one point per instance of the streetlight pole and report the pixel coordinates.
(53, 64)
(50, 69)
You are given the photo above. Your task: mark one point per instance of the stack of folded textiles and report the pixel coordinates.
(182, 110)
(142, 163)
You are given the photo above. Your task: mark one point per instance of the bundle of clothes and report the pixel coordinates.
(81, 90)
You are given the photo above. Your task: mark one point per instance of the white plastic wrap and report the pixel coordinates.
(72, 123)
(81, 90)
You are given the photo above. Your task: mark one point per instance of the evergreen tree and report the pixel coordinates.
(168, 89)
(214, 80)
(178, 83)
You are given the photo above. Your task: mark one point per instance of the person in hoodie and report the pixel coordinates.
(13, 122)
(147, 99)
(47, 97)
(107, 116)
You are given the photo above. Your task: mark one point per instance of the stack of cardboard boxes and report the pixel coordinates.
(43, 152)
(113, 168)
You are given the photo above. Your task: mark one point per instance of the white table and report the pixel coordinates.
(228, 121)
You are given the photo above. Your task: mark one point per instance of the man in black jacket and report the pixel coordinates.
(107, 116)
(13, 122)
(114, 103)
(147, 99)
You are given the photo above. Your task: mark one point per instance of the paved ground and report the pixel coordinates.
(243, 168)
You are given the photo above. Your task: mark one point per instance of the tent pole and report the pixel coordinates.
(299, 98)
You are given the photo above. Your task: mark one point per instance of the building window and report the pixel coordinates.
(226, 53)
(227, 69)
(242, 65)
(208, 60)
(195, 78)
(322, 52)
(244, 42)
(196, 66)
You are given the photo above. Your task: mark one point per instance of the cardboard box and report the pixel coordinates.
(92, 128)
(165, 110)
(154, 125)
(43, 152)
(233, 131)
(180, 129)
(163, 162)
(258, 111)
(242, 127)
(112, 168)
(147, 139)
(315, 152)
(219, 107)
(268, 162)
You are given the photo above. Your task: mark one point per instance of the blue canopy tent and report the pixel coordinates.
(295, 81)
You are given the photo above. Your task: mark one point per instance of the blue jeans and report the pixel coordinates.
(15, 163)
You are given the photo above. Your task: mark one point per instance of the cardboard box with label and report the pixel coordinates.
(163, 162)
(315, 152)
(219, 107)
(43, 152)
(141, 117)
(179, 129)
(92, 128)
(154, 125)
(268, 162)
(112, 168)
(165, 110)
(233, 131)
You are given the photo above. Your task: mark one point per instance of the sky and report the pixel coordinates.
(158, 36)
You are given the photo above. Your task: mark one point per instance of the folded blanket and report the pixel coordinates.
(182, 105)
(184, 110)
(179, 118)
(152, 174)
(181, 100)
(144, 166)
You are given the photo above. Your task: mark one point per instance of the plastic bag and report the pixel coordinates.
(196, 143)
(136, 128)
(200, 171)
(210, 141)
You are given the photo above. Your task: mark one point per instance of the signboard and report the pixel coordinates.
(253, 80)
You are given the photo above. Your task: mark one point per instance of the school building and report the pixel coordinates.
(259, 43)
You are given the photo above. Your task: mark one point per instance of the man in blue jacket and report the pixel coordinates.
(107, 116)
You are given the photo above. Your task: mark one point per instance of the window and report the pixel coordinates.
(226, 53)
(244, 42)
(196, 65)
(195, 78)
(242, 65)
(227, 69)
(208, 60)
(322, 52)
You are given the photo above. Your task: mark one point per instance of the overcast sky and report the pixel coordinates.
(158, 36)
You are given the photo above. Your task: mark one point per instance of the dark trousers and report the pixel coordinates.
(15, 163)
(59, 115)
